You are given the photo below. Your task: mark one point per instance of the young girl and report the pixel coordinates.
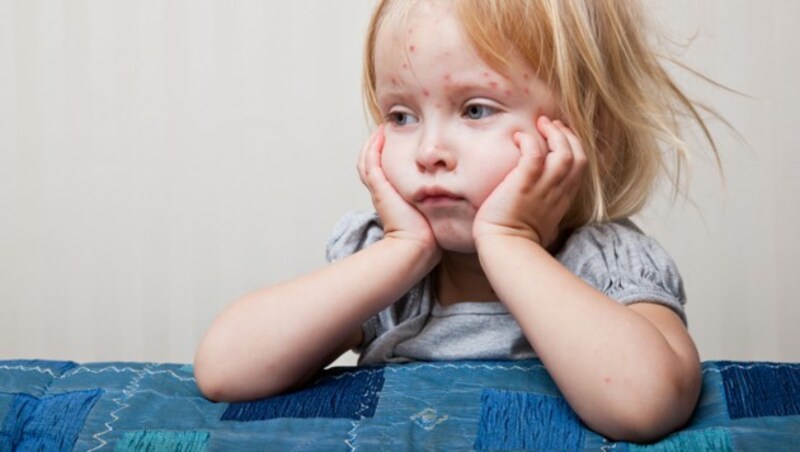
(515, 139)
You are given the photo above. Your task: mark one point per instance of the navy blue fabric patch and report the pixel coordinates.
(521, 420)
(51, 423)
(763, 389)
(351, 395)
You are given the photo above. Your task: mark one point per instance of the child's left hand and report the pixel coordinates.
(534, 197)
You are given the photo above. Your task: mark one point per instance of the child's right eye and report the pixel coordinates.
(401, 118)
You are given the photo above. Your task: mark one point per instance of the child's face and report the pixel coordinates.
(450, 119)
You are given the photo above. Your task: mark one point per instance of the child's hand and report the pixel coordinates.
(534, 197)
(400, 219)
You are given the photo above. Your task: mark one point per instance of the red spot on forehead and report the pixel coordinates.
(508, 93)
(394, 81)
(527, 91)
(493, 84)
(426, 92)
(525, 75)
(447, 77)
(412, 48)
(405, 66)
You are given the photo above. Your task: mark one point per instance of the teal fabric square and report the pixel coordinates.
(156, 440)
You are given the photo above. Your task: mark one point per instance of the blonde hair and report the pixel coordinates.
(616, 95)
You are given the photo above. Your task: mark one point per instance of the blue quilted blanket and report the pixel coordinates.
(480, 405)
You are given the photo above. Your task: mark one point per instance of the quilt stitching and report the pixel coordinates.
(130, 381)
(750, 366)
(29, 369)
(129, 392)
(146, 370)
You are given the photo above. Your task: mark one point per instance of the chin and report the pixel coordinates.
(455, 239)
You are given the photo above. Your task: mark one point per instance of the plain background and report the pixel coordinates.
(160, 159)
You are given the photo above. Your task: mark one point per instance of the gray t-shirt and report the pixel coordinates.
(616, 258)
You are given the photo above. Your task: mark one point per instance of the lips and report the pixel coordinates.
(435, 194)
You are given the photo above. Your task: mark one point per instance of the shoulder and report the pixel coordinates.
(621, 261)
(353, 232)
(609, 240)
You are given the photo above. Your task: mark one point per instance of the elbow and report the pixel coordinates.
(210, 383)
(223, 380)
(219, 380)
(663, 408)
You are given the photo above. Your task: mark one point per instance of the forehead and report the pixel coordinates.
(422, 35)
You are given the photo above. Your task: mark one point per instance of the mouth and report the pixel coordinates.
(435, 196)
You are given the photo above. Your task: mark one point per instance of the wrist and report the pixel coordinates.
(425, 252)
(495, 233)
(486, 242)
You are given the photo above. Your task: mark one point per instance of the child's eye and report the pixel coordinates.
(479, 111)
(401, 118)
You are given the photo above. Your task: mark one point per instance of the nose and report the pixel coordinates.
(433, 155)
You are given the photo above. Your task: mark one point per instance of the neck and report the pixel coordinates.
(460, 277)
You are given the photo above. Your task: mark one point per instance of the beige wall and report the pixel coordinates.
(159, 159)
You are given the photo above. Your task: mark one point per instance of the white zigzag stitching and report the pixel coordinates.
(352, 435)
(129, 392)
(27, 368)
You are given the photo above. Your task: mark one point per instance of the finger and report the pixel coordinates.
(579, 155)
(533, 153)
(361, 156)
(560, 160)
(373, 171)
(361, 165)
(369, 148)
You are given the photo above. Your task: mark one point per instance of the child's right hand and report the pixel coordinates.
(400, 219)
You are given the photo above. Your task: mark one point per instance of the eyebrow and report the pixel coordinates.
(500, 87)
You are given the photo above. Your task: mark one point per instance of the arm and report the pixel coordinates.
(628, 372)
(271, 340)
(276, 338)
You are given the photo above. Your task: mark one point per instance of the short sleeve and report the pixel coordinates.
(353, 232)
(619, 260)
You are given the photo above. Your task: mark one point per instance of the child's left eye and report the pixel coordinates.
(478, 111)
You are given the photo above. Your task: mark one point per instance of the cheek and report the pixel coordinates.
(494, 167)
(393, 162)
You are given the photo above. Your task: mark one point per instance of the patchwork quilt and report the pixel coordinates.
(463, 405)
